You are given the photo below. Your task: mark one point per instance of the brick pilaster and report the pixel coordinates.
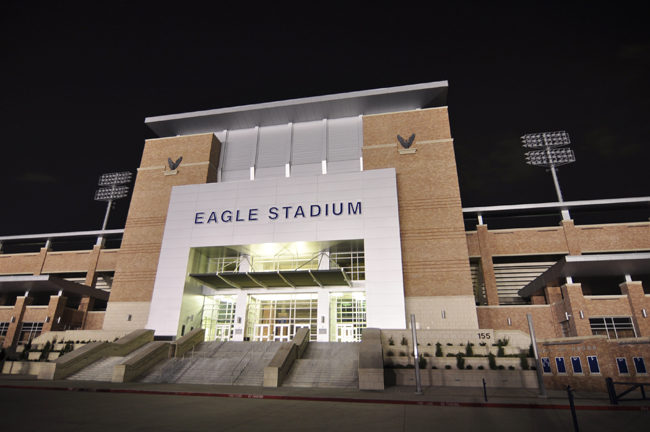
(13, 332)
(575, 302)
(638, 302)
(487, 267)
(40, 261)
(572, 237)
(54, 310)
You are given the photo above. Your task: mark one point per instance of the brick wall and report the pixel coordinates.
(434, 247)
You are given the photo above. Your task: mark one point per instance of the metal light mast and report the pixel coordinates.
(112, 192)
(551, 156)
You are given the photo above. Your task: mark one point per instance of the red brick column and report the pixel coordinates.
(13, 333)
(553, 294)
(574, 303)
(638, 302)
(54, 311)
(538, 299)
(487, 267)
(86, 305)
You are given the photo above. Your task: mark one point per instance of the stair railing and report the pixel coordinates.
(241, 365)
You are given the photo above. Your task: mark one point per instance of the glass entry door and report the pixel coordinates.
(347, 316)
(262, 333)
(283, 333)
(278, 316)
(345, 333)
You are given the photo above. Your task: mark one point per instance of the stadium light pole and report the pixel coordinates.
(550, 155)
(114, 190)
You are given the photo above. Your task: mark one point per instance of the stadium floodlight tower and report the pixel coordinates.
(550, 155)
(114, 190)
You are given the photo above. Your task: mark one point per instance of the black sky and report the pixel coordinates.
(77, 80)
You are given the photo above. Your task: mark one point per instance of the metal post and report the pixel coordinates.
(108, 211)
(538, 365)
(573, 409)
(611, 390)
(484, 390)
(418, 385)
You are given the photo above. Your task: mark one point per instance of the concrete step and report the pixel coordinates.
(214, 362)
(326, 364)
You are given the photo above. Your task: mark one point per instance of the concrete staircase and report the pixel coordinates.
(102, 370)
(326, 364)
(220, 363)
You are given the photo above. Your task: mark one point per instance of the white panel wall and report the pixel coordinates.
(307, 143)
(252, 202)
(240, 149)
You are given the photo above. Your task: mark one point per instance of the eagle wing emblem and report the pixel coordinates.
(406, 143)
(173, 165)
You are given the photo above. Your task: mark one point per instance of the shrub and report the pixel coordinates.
(501, 352)
(450, 344)
(468, 367)
(439, 349)
(434, 367)
(46, 351)
(481, 367)
(447, 367)
(429, 344)
(501, 367)
(470, 343)
(398, 366)
(461, 344)
(460, 361)
(409, 366)
(523, 361)
(469, 352)
(503, 342)
(66, 349)
(27, 347)
(426, 354)
(511, 367)
(482, 343)
(389, 353)
(391, 341)
(404, 341)
(451, 355)
(402, 354)
(492, 361)
(422, 363)
(531, 351)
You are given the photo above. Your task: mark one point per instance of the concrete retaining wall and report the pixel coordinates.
(371, 365)
(283, 359)
(82, 357)
(464, 378)
(139, 364)
(186, 343)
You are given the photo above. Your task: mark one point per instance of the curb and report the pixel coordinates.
(335, 399)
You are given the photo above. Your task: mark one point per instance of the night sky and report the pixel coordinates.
(78, 79)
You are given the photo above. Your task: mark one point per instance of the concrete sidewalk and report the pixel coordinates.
(461, 396)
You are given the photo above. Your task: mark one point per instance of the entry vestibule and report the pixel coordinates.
(277, 317)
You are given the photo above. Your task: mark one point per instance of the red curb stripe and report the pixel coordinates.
(334, 399)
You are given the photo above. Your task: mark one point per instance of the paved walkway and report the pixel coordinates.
(30, 404)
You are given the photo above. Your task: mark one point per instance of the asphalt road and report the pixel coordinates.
(48, 410)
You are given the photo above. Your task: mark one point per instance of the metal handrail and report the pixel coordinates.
(232, 373)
